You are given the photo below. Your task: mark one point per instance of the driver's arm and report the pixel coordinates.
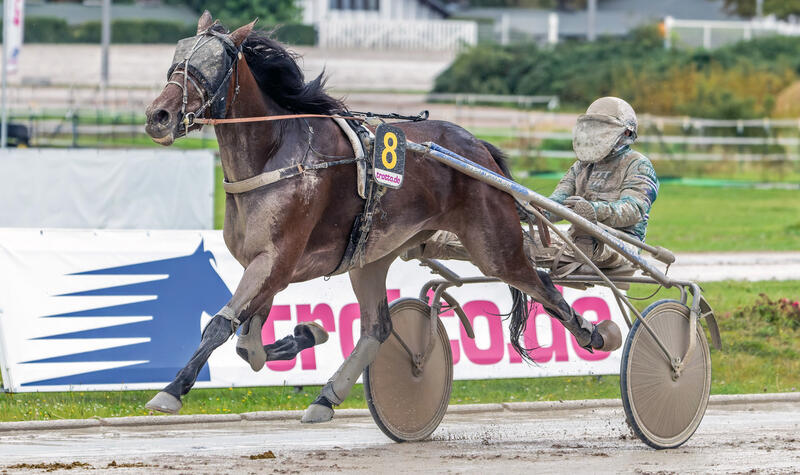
(639, 191)
(564, 189)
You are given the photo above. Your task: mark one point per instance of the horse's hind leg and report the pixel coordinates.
(505, 258)
(369, 285)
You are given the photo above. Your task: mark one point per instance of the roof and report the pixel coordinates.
(614, 17)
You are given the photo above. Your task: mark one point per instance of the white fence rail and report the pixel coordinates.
(713, 34)
(471, 99)
(439, 35)
(670, 139)
(690, 157)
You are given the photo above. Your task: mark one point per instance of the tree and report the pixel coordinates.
(235, 13)
(747, 8)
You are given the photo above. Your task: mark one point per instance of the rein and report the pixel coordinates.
(267, 118)
(368, 117)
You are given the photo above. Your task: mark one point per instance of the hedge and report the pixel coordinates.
(738, 81)
(57, 30)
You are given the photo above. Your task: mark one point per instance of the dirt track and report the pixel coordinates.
(741, 438)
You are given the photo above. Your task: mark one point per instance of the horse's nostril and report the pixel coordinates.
(161, 117)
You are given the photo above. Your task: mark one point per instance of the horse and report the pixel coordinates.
(298, 228)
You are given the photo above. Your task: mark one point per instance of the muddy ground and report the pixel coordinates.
(762, 438)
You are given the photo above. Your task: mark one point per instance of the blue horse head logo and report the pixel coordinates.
(176, 304)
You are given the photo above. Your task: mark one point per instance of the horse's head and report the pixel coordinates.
(198, 82)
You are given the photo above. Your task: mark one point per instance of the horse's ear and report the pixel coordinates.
(204, 22)
(242, 33)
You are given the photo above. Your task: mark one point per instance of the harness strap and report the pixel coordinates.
(274, 176)
(358, 149)
(269, 118)
(194, 83)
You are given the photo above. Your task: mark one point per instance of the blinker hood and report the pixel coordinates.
(595, 136)
(210, 59)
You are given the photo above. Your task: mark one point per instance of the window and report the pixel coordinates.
(370, 5)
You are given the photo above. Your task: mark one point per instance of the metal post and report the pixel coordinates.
(760, 8)
(105, 40)
(505, 26)
(4, 124)
(552, 28)
(591, 18)
(668, 24)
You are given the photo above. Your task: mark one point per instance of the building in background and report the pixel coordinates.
(613, 17)
(315, 11)
(415, 25)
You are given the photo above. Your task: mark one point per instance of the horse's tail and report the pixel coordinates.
(502, 161)
(499, 157)
(520, 312)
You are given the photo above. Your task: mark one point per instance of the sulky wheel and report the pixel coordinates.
(406, 404)
(664, 411)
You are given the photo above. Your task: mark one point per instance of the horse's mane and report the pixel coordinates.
(279, 77)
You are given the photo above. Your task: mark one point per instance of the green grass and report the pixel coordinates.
(757, 356)
(696, 218)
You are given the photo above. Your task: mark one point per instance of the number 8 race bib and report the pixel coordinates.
(389, 159)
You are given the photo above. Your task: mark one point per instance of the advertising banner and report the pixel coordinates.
(94, 309)
(14, 12)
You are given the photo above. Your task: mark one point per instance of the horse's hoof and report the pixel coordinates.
(317, 413)
(251, 351)
(316, 330)
(609, 332)
(164, 402)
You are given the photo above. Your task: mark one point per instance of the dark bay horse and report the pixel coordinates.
(297, 229)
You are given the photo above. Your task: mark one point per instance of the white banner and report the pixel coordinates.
(91, 310)
(14, 11)
(114, 189)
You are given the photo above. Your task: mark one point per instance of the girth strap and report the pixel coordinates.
(274, 176)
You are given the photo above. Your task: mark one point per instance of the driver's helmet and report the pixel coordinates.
(601, 131)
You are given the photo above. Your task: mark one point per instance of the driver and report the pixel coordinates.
(609, 183)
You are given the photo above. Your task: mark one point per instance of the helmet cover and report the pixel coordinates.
(601, 130)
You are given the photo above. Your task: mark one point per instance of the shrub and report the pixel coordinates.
(296, 34)
(783, 312)
(46, 30)
(149, 31)
(235, 13)
(739, 81)
(56, 30)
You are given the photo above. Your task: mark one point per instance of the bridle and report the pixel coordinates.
(210, 80)
(215, 104)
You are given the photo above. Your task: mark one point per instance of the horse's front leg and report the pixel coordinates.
(257, 287)
(250, 346)
(369, 285)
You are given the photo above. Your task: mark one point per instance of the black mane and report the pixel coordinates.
(278, 76)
